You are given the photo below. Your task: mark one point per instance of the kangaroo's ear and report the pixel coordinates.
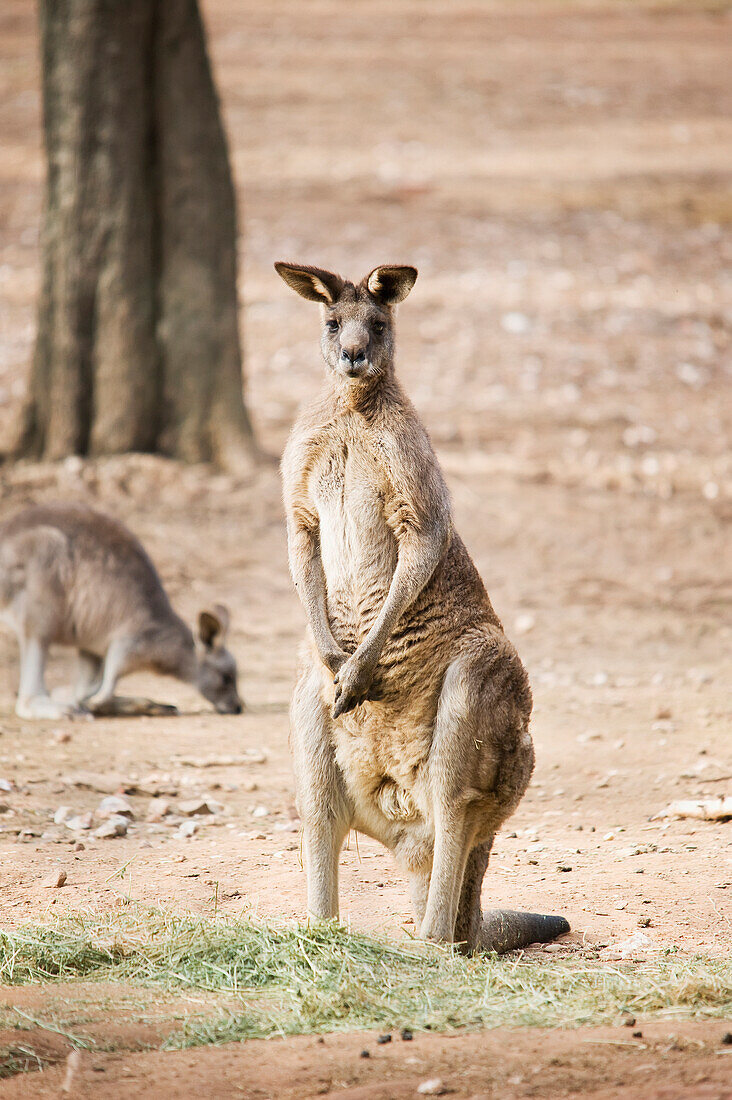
(312, 283)
(390, 284)
(212, 626)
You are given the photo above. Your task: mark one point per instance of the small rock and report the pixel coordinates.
(644, 922)
(524, 623)
(433, 1086)
(386, 1038)
(634, 943)
(55, 880)
(79, 847)
(115, 826)
(81, 821)
(158, 809)
(60, 737)
(260, 811)
(727, 1039)
(63, 813)
(628, 1021)
(515, 323)
(6, 786)
(115, 806)
(637, 1034)
(193, 807)
(663, 714)
(364, 1054)
(564, 867)
(406, 1034)
(26, 835)
(188, 828)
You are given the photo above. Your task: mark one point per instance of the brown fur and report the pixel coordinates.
(410, 718)
(74, 577)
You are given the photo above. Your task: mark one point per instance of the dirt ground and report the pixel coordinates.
(560, 173)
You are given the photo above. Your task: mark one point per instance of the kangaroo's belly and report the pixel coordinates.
(357, 547)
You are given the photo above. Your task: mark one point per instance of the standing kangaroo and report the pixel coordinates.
(75, 577)
(410, 718)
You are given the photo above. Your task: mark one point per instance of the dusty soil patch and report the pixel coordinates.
(667, 1063)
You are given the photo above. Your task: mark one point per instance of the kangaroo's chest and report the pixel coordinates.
(349, 489)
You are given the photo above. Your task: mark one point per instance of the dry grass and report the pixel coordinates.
(289, 979)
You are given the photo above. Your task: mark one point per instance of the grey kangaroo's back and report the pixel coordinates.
(81, 577)
(72, 576)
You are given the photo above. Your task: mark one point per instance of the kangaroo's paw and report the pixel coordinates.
(44, 707)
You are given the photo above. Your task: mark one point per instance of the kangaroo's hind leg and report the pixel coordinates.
(33, 698)
(320, 792)
(88, 675)
(449, 786)
(102, 700)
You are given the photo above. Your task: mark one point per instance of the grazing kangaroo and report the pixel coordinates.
(410, 717)
(75, 577)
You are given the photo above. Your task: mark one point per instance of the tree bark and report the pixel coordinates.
(138, 341)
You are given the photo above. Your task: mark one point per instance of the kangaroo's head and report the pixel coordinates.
(216, 679)
(358, 318)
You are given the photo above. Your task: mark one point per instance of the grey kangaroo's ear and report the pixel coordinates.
(312, 283)
(391, 283)
(212, 626)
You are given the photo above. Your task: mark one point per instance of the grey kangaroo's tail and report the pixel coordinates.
(507, 930)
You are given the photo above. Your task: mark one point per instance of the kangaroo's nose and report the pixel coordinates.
(354, 353)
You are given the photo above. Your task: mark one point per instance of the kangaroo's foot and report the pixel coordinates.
(505, 930)
(129, 706)
(44, 707)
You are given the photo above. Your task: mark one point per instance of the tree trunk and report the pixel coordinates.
(138, 341)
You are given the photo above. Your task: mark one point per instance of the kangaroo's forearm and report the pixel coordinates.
(309, 578)
(417, 561)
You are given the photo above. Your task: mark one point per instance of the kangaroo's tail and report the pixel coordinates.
(507, 930)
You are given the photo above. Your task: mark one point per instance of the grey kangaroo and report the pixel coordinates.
(75, 577)
(410, 719)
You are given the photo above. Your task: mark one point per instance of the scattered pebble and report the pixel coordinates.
(194, 807)
(80, 821)
(364, 1054)
(114, 827)
(60, 737)
(515, 323)
(55, 880)
(384, 1039)
(524, 623)
(188, 828)
(727, 1039)
(629, 1021)
(157, 809)
(433, 1086)
(63, 813)
(406, 1034)
(115, 806)
(644, 922)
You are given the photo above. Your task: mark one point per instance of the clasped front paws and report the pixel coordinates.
(334, 659)
(352, 682)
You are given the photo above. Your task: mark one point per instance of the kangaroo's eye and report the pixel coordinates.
(332, 325)
(379, 328)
